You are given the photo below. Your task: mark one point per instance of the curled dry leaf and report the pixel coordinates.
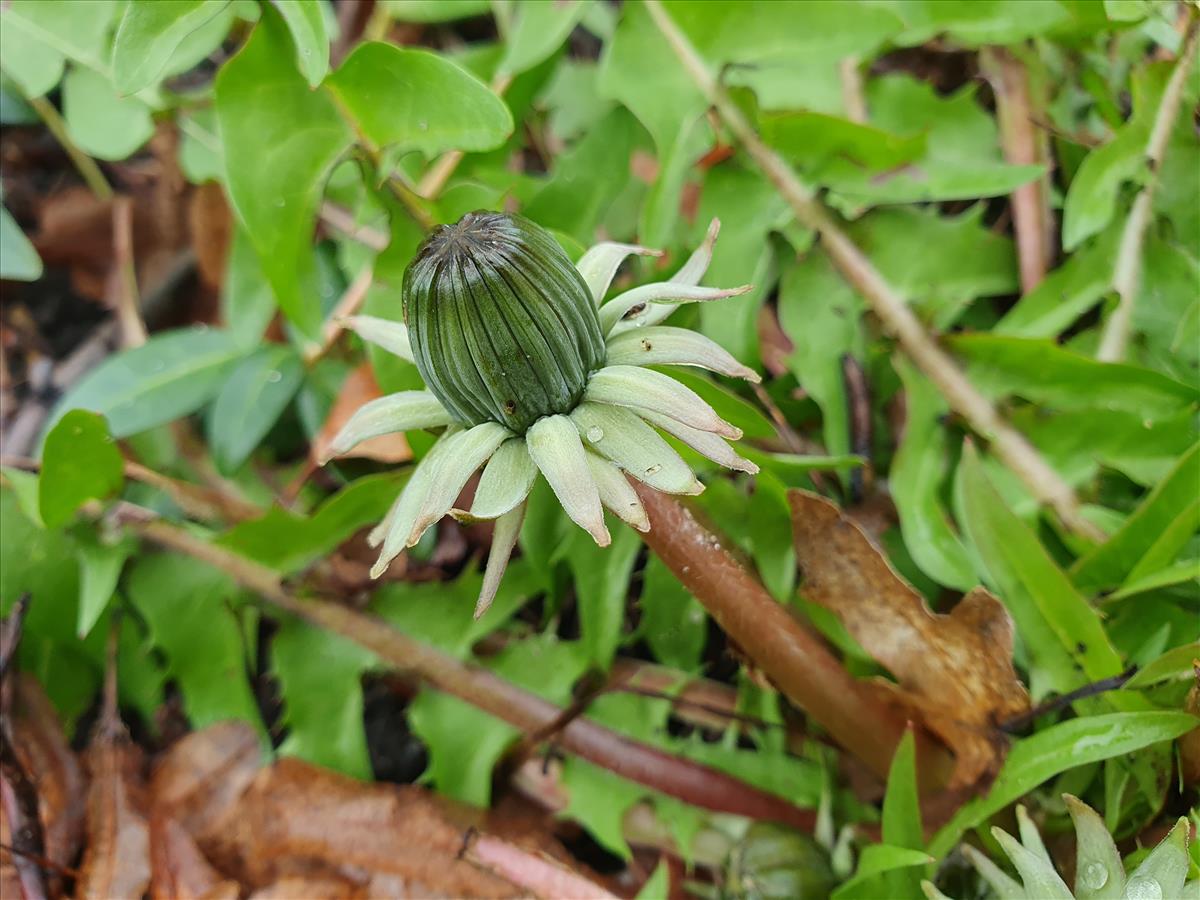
(954, 671)
(199, 781)
(116, 861)
(178, 870)
(358, 388)
(295, 813)
(47, 759)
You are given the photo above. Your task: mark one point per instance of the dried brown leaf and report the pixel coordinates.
(211, 226)
(44, 754)
(178, 870)
(295, 813)
(954, 670)
(358, 388)
(116, 861)
(199, 781)
(313, 888)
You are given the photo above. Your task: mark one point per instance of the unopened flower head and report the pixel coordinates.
(530, 372)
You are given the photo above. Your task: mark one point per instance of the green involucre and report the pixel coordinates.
(503, 327)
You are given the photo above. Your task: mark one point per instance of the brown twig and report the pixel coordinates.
(18, 793)
(797, 661)
(1023, 145)
(343, 220)
(433, 181)
(129, 317)
(348, 304)
(853, 98)
(205, 504)
(1128, 269)
(1017, 724)
(86, 166)
(1008, 444)
(691, 782)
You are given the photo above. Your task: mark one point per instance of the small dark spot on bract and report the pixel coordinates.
(510, 406)
(647, 346)
(1081, 647)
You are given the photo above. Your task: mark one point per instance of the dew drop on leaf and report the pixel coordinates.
(1144, 889)
(595, 434)
(274, 376)
(1095, 876)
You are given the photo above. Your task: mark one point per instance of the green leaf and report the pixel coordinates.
(1092, 196)
(289, 542)
(749, 207)
(1062, 632)
(916, 479)
(100, 121)
(980, 21)
(437, 10)
(1180, 573)
(250, 402)
(1174, 665)
(149, 35)
(186, 605)
(1115, 560)
(80, 462)
(769, 531)
(879, 859)
(172, 375)
(463, 768)
(247, 303)
(602, 577)
(100, 566)
(1034, 760)
(417, 100)
(36, 560)
(820, 314)
(36, 37)
(1043, 372)
(306, 21)
(638, 56)
(1065, 294)
(972, 261)
(280, 141)
(18, 260)
(673, 621)
(537, 31)
(320, 680)
(962, 159)
(585, 180)
(658, 885)
(902, 817)
(810, 139)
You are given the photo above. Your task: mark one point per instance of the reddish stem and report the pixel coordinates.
(796, 660)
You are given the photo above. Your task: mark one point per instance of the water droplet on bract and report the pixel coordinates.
(423, 125)
(595, 434)
(281, 203)
(1095, 876)
(158, 366)
(273, 376)
(200, 327)
(686, 569)
(1144, 889)
(654, 469)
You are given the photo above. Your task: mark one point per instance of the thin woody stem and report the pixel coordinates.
(1008, 444)
(1128, 270)
(691, 782)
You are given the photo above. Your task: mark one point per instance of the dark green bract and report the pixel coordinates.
(503, 327)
